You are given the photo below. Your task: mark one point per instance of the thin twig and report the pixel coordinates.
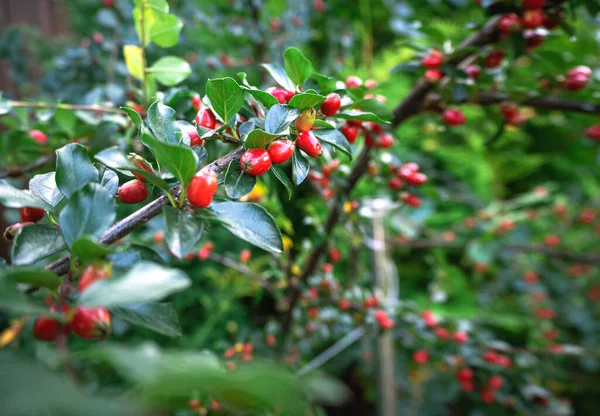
(16, 172)
(60, 106)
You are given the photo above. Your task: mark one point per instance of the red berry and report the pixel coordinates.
(395, 184)
(551, 240)
(376, 128)
(580, 70)
(408, 169)
(108, 3)
(494, 59)
(533, 4)
(353, 82)
(370, 84)
(508, 109)
(412, 200)
(30, 214)
(331, 105)
(432, 61)
(334, 255)
(327, 268)
(488, 396)
(533, 19)
(92, 274)
(442, 333)
(196, 102)
(417, 179)
(473, 71)
(433, 75)
(39, 136)
(495, 382)
(467, 386)
(305, 120)
(255, 162)
(194, 404)
(531, 277)
(205, 251)
(386, 141)
(140, 163)
(454, 117)
(421, 356)
(490, 357)
(307, 142)
(202, 187)
(576, 82)
(465, 375)
(245, 256)
(289, 95)
(280, 151)
(429, 318)
(91, 323)
(593, 132)
(509, 23)
(205, 118)
(215, 406)
(132, 192)
(344, 304)
(350, 132)
(371, 302)
(461, 337)
(195, 139)
(45, 328)
(278, 93)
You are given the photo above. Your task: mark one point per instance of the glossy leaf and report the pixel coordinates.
(262, 97)
(226, 97)
(300, 167)
(279, 118)
(35, 243)
(12, 197)
(74, 169)
(280, 76)
(296, 65)
(334, 138)
(165, 32)
(183, 230)
(108, 179)
(87, 248)
(306, 100)
(260, 138)
(158, 317)
(360, 115)
(33, 276)
(178, 159)
(237, 182)
(283, 178)
(161, 120)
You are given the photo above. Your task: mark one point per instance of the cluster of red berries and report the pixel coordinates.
(407, 174)
(383, 319)
(466, 378)
(432, 63)
(443, 334)
(511, 113)
(533, 18)
(321, 178)
(242, 351)
(196, 406)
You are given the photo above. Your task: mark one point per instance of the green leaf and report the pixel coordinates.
(74, 169)
(323, 124)
(360, 115)
(262, 97)
(87, 248)
(66, 120)
(165, 32)
(178, 159)
(336, 139)
(326, 84)
(161, 120)
(296, 65)
(306, 100)
(158, 317)
(114, 158)
(90, 211)
(259, 138)
(134, 116)
(16, 302)
(283, 178)
(36, 242)
(145, 282)
(250, 222)
(300, 167)
(33, 276)
(279, 75)
(170, 70)
(183, 230)
(108, 179)
(226, 97)
(237, 182)
(279, 118)
(374, 106)
(12, 197)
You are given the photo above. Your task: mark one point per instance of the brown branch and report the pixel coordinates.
(18, 171)
(75, 107)
(143, 215)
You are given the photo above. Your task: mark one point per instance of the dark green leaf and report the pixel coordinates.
(283, 178)
(237, 182)
(336, 139)
(300, 167)
(145, 282)
(108, 179)
(161, 120)
(279, 118)
(157, 317)
(87, 248)
(259, 138)
(226, 97)
(250, 222)
(74, 169)
(178, 159)
(12, 197)
(36, 242)
(408, 67)
(33, 276)
(183, 230)
(66, 120)
(279, 75)
(374, 106)
(134, 116)
(306, 100)
(262, 97)
(296, 65)
(90, 211)
(360, 115)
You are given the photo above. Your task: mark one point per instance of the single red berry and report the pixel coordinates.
(473, 71)
(508, 109)
(245, 256)
(551, 240)
(576, 82)
(344, 304)
(45, 328)
(281, 151)
(108, 3)
(488, 396)
(408, 169)
(370, 84)
(533, 19)
(30, 214)
(206, 118)
(416, 179)
(371, 302)
(194, 404)
(580, 70)
(531, 277)
(308, 143)
(334, 255)
(140, 163)
(465, 375)
(313, 313)
(305, 120)
(461, 337)
(429, 318)
(593, 132)
(533, 4)
(205, 251)
(494, 59)
(93, 273)
(327, 268)
(202, 188)
(331, 105)
(454, 117)
(376, 128)
(350, 132)
(433, 75)
(215, 406)
(196, 102)
(490, 357)
(495, 382)
(275, 24)
(509, 23)
(132, 192)
(319, 5)
(39, 136)
(386, 141)
(278, 93)
(353, 82)
(467, 386)
(432, 61)
(255, 162)
(442, 333)
(195, 139)
(395, 184)
(91, 323)
(421, 356)
(158, 237)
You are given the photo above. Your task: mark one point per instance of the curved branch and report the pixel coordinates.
(16, 172)
(143, 215)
